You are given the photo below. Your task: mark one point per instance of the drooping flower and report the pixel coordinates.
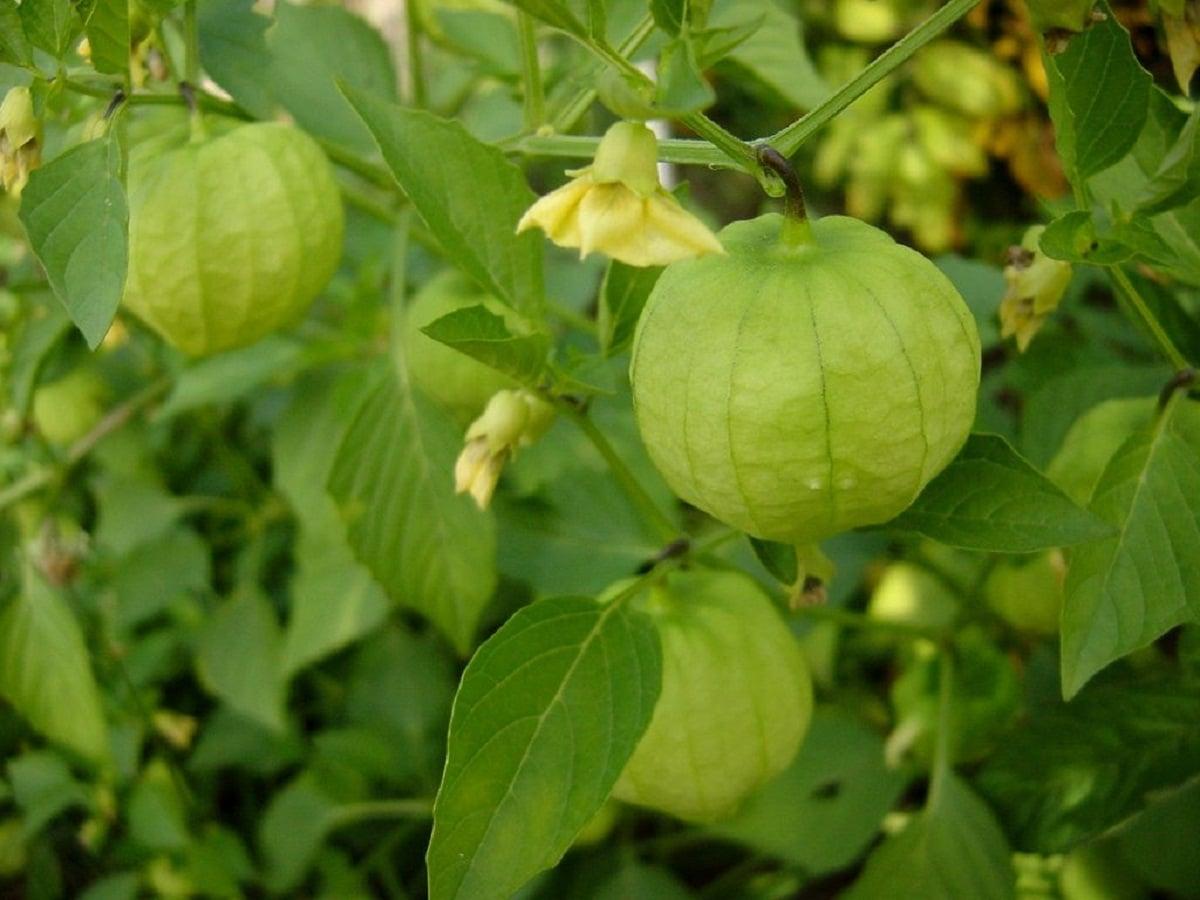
(1036, 285)
(511, 420)
(20, 140)
(617, 207)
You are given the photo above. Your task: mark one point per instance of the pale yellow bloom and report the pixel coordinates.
(1036, 285)
(617, 207)
(512, 419)
(20, 140)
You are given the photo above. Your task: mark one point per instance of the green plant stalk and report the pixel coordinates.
(664, 528)
(1139, 305)
(574, 110)
(191, 49)
(788, 140)
(413, 56)
(416, 808)
(738, 151)
(531, 73)
(943, 749)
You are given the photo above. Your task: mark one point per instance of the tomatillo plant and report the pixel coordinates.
(798, 498)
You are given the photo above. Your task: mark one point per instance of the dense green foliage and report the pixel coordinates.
(281, 283)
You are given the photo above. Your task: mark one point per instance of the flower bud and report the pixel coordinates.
(512, 419)
(1036, 285)
(20, 140)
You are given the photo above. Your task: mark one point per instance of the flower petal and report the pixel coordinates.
(557, 213)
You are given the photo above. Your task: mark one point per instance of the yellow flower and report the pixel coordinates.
(616, 206)
(20, 141)
(1036, 285)
(511, 420)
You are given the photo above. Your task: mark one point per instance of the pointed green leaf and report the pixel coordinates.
(1099, 98)
(623, 296)
(393, 480)
(1177, 181)
(1069, 772)
(484, 336)
(1128, 589)
(75, 214)
(239, 658)
(554, 13)
(14, 46)
(312, 49)
(50, 25)
(106, 24)
(953, 849)
(775, 54)
(991, 499)
(549, 711)
(45, 672)
(669, 15)
(468, 193)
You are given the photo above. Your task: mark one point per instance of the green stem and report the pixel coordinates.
(575, 108)
(1138, 302)
(665, 529)
(414, 57)
(789, 140)
(78, 451)
(943, 750)
(531, 73)
(672, 150)
(191, 47)
(350, 813)
(741, 153)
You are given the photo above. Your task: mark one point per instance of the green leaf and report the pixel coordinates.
(991, 499)
(429, 549)
(1051, 410)
(623, 296)
(34, 344)
(292, 830)
(681, 84)
(1128, 589)
(43, 787)
(468, 193)
(669, 15)
(775, 54)
(238, 658)
(1079, 237)
(334, 599)
(549, 711)
(778, 559)
(75, 214)
(953, 849)
(50, 25)
(233, 51)
(1071, 771)
(1177, 181)
(484, 336)
(982, 286)
(156, 574)
(554, 13)
(1099, 95)
(14, 46)
(106, 24)
(45, 672)
(826, 808)
(231, 376)
(313, 50)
